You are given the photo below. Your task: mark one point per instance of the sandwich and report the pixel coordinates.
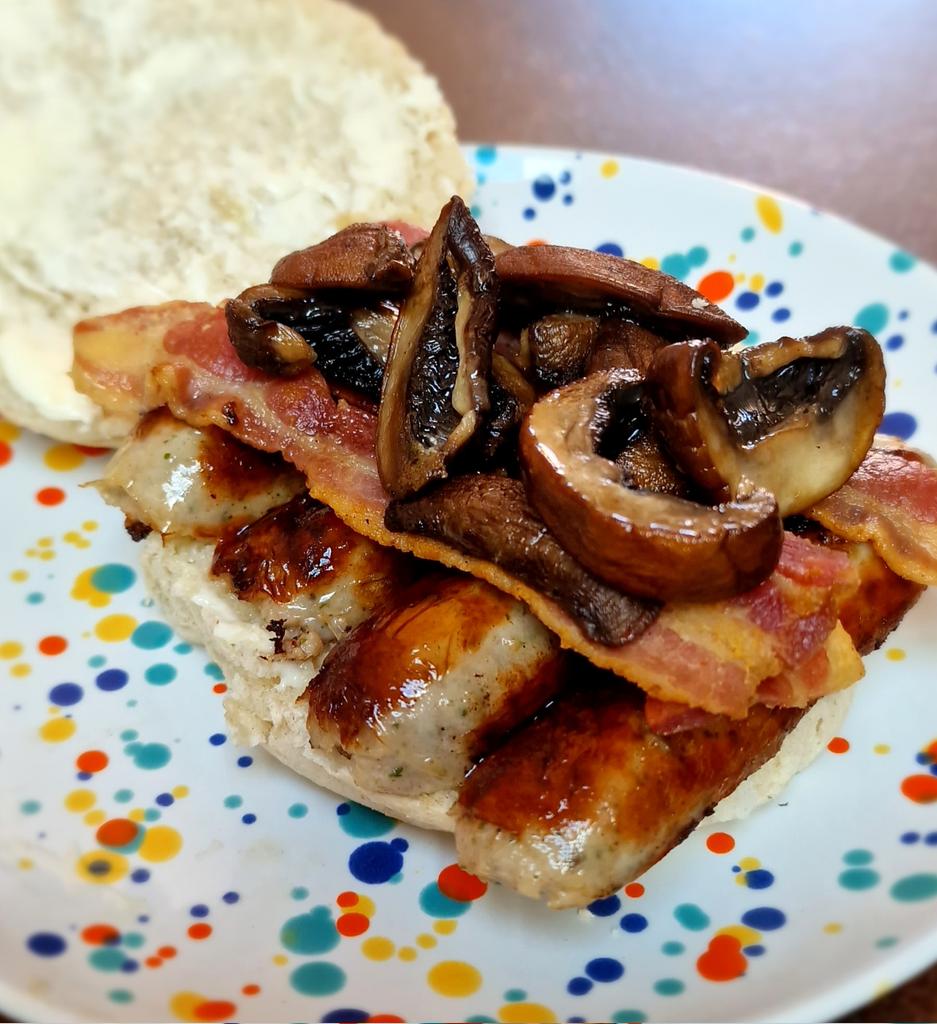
(517, 542)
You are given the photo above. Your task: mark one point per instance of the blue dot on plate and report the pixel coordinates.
(245, 761)
(165, 799)
(894, 342)
(910, 837)
(375, 863)
(773, 289)
(610, 249)
(754, 950)
(139, 875)
(46, 944)
(759, 879)
(248, 819)
(606, 907)
(566, 177)
(66, 694)
(605, 968)
(748, 300)
(529, 213)
(231, 897)
(217, 738)
(568, 199)
(633, 923)
(898, 424)
(111, 679)
(764, 919)
(543, 187)
(781, 314)
(579, 986)
(199, 910)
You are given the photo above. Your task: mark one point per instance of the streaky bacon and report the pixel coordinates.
(891, 501)
(712, 656)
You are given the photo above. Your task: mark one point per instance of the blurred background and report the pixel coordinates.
(832, 102)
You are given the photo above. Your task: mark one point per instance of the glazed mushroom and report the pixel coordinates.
(644, 543)
(794, 417)
(560, 345)
(622, 344)
(363, 257)
(283, 331)
(489, 517)
(435, 393)
(581, 279)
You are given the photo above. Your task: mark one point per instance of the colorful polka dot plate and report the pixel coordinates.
(149, 870)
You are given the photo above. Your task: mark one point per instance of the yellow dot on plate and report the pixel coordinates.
(280, 960)
(731, 257)
(137, 814)
(19, 575)
(160, 843)
(95, 817)
(89, 526)
(377, 948)
(46, 555)
(44, 542)
(739, 278)
(756, 282)
(185, 1006)
(79, 800)
(364, 906)
(24, 864)
(57, 730)
(102, 867)
(608, 168)
(651, 261)
(521, 1013)
(10, 649)
(746, 936)
(769, 213)
(833, 928)
(882, 748)
(426, 941)
(20, 670)
(444, 927)
(8, 432)
(180, 791)
(114, 629)
(406, 953)
(454, 978)
(895, 654)
(63, 457)
(749, 863)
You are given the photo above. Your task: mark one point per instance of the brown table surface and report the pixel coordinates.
(835, 103)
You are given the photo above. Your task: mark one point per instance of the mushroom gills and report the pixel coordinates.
(435, 394)
(795, 417)
(489, 517)
(285, 330)
(630, 522)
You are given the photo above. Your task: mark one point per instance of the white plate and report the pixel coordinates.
(832, 894)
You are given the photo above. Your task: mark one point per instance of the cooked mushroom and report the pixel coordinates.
(510, 396)
(623, 345)
(285, 330)
(645, 543)
(488, 517)
(581, 279)
(363, 257)
(795, 417)
(435, 392)
(560, 346)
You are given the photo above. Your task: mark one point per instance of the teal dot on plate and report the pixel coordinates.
(300, 892)
(515, 995)
(213, 671)
(129, 734)
(675, 264)
(437, 904)
(148, 636)
(901, 262)
(872, 317)
(747, 234)
(233, 801)
(35, 597)
(97, 660)
(914, 888)
(133, 940)
(30, 806)
(298, 811)
(886, 941)
(106, 958)
(151, 814)
(311, 933)
(691, 917)
(624, 1016)
(120, 995)
(795, 248)
(858, 858)
(486, 154)
(123, 796)
(150, 756)
(317, 979)
(697, 256)
(113, 578)
(753, 338)
(362, 822)
(669, 987)
(857, 879)
(160, 674)
(672, 948)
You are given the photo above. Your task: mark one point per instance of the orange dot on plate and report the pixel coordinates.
(716, 286)
(347, 899)
(351, 925)
(92, 761)
(837, 745)
(720, 842)
(199, 931)
(220, 688)
(6, 453)
(385, 1018)
(922, 789)
(167, 952)
(634, 890)
(250, 990)
(100, 934)
(117, 832)
(460, 885)
(215, 1009)
(723, 961)
(52, 645)
(153, 961)
(50, 496)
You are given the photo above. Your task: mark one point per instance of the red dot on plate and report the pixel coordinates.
(351, 925)
(837, 745)
(6, 453)
(250, 990)
(634, 890)
(460, 885)
(50, 496)
(52, 645)
(167, 952)
(720, 842)
(347, 899)
(219, 688)
(92, 761)
(199, 931)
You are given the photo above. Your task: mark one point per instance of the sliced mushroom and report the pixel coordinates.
(582, 279)
(795, 417)
(623, 345)
(654, 545)
(510, 395)
(560, 346)
(363, 257)
(435, 392)
(489, 517)
(285, 330)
